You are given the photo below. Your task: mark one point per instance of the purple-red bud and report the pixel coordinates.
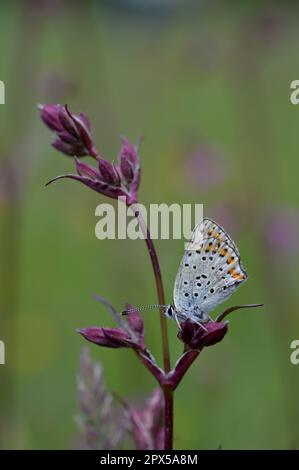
(197, 336)
(130, 336)
(109, 172)
(73, 132)
(108, 337)
(73, 137)
(129, 164)
(86, 170)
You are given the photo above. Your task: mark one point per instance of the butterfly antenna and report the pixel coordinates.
(142, 307)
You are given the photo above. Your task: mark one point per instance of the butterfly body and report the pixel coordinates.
(209, 273)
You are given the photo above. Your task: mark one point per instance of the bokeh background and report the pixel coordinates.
(208, 84)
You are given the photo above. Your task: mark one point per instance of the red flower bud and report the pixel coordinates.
(73, 132)
(197, 336)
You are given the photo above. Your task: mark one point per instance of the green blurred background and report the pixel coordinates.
(208, 84)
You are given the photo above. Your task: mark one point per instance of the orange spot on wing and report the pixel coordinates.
(235, 274)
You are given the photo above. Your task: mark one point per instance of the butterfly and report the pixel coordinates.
(209, 273)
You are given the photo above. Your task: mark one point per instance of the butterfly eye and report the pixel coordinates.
(169, 311)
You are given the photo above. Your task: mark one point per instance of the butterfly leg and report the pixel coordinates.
(177, 321)
(200, 324)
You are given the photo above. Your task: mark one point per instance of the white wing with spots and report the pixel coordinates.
(209, 273)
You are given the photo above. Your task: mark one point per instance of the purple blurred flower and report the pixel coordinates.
(147, 423)
(268, 26)
(100, 422)
(73, 132)
(53, 83)
(229, 215)
(10, 179)
(196, 336)
(205, 168)
(280, 231)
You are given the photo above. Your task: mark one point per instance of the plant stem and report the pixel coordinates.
(168, 394)
(159, 285)
(161, 300)
(168, 419)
